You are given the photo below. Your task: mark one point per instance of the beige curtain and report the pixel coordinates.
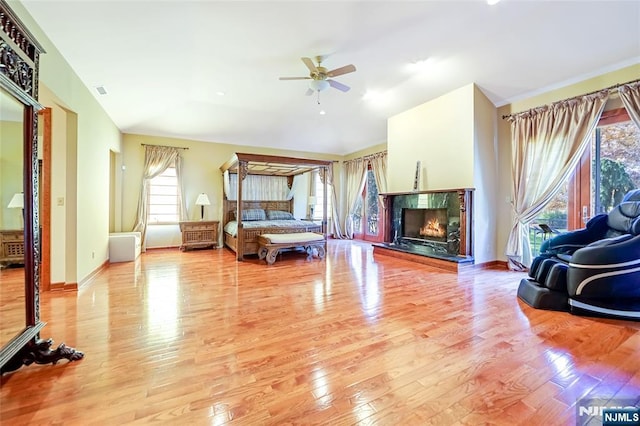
(547, 144)
(156, 160)
(378, 163)
(335, 222)
(630, 95)
(355, 175)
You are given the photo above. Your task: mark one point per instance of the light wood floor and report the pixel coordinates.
(198, 338)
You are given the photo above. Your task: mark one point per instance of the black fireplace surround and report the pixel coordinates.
(435, 224)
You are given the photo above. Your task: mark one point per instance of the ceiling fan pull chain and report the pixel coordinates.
(318, 97)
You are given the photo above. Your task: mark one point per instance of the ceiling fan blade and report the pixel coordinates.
(339, 86)
(309, 63)
(309, 92)
(342, 70)
(295, 78)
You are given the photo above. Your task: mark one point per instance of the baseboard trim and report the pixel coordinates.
(63, 287)
(93, 273)
(493, 264)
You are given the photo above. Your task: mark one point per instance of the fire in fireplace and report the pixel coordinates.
(425, 224)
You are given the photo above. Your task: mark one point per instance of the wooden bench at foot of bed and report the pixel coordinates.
(270, 244)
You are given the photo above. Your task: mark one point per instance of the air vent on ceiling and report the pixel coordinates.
(101, 90)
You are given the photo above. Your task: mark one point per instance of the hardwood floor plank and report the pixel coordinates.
(198, 338)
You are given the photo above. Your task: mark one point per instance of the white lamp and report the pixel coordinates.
(17, 201)
(202, 201)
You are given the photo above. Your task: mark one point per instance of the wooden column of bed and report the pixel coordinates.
(246, 241)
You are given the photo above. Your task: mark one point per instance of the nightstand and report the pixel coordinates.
(12, 247)
(199, 234)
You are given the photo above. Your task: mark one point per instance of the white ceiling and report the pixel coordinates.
(163, 62)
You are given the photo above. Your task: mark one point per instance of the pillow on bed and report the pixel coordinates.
(253, 214)
(279, 215)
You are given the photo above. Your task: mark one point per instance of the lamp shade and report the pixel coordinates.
(17, 201)
(319, 85)
(202, 200)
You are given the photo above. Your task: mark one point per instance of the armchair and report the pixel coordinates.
(591, 271)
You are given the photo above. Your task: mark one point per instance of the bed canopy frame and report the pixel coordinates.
(244, 164)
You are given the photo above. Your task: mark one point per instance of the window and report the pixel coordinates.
(366, 220)
(318, 193)
(609, 168)
(163, 198)
(615, 165)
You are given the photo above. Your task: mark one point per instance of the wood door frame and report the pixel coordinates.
(579, 187)
(45, 202)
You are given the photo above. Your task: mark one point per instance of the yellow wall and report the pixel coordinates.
(11, 169)
(90, 135)
(453, 137)
(504, 212)
(201, 173)
(439, 134)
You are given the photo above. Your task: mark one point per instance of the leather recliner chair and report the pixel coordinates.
(591, 271)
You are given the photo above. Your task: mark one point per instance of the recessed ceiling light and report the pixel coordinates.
(220, 93)
(322, 112)
(492, 2)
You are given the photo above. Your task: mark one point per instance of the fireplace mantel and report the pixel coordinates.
(457, 251)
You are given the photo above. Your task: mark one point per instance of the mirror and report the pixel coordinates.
(12, 271)
(20, 324)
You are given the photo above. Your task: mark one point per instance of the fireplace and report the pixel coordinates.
(432, 227)
(425, 224)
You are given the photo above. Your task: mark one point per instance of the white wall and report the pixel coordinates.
(485, 178)
(439, 134)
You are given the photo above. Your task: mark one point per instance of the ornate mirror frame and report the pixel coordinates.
(19, 65)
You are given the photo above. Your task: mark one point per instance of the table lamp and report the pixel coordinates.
(202, 201)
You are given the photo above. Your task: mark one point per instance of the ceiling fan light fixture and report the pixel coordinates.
(319, 85)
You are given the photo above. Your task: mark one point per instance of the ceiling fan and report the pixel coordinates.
(321, 77)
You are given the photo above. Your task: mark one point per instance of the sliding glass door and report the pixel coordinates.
(609, 168)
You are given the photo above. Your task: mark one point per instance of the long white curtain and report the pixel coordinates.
(547, 144)
(630, 95)
(335, 216)
(355, 176)
(156, 160)
(295, 183)
(259, 187)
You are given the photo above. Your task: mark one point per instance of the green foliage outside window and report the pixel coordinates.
(614, 183)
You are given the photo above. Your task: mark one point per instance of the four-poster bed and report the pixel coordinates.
(241, 229)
